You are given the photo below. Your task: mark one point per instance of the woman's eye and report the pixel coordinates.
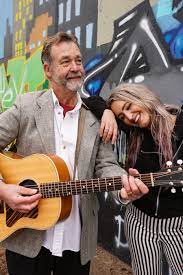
(128, 106)
(121, 117)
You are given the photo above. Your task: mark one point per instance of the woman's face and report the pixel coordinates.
(131, 114)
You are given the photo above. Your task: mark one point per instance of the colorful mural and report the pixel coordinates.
(146, 47)
(121, 41)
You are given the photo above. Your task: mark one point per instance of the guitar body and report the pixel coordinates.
(38, 168)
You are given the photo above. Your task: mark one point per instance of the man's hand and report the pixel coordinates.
(19, 198)
(108, 128)
(133, 188)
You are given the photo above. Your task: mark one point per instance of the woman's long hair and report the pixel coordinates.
(161, 121)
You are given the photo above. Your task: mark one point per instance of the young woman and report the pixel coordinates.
(153, 222)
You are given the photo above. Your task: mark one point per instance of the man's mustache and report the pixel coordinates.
(74, 75)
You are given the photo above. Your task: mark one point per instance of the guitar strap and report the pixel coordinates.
(81, 123)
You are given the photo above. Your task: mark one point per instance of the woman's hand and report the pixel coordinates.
(133, 188)
(108, 128)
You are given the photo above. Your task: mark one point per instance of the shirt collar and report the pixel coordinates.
(76, 108)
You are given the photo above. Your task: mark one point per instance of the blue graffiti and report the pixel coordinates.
(176, 46)
(94, 85)
(93, 62)
(169, 18)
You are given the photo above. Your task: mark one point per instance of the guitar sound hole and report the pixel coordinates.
(13, 216)
(29, 183)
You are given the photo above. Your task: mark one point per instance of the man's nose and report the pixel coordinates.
(74, 67)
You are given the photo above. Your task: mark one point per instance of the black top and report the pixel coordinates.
(160, 201)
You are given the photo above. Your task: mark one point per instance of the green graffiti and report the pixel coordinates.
(21, 76)
(34, 72)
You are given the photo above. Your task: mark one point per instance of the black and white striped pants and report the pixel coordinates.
(148, 236)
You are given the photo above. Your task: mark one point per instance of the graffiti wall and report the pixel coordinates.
(121, 41)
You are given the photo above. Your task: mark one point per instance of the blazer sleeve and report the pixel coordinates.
(106, 164)
(9, 124)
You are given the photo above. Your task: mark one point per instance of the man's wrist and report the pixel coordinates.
(121, 200)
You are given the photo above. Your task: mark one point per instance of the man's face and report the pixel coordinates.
(66, 69)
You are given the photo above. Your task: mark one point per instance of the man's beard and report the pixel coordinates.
(70, 84)
(74, 85)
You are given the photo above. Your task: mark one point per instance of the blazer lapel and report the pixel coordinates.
(90, 132)
(44, 116)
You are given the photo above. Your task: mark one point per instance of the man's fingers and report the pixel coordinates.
(141, 186)
(133, 171)
(25, 204)
(126, 183)
(133, 188)
(124, 194)
(28, 199)
(25, 208)
(27, 191)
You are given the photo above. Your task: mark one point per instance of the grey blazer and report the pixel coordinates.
(31, 122)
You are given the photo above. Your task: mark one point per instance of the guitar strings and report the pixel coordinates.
(85, 186)
(91, 182)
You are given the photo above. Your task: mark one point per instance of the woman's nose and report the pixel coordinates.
(128, 115)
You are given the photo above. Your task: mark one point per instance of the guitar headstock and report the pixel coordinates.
(171, 176)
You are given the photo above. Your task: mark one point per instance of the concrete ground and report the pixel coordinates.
(104, 263)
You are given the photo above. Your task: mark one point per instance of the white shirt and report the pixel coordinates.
(65, 235)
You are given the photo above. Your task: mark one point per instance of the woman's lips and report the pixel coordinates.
(136, 118)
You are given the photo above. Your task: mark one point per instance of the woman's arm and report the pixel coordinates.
(96, 104)
(108, 128)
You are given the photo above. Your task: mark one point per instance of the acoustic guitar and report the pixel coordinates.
(50, 176)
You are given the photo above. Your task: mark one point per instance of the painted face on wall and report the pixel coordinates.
(131, 114)
(66, 69)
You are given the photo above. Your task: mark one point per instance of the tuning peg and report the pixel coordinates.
(173, 190)
(179, 162)
(169, 163)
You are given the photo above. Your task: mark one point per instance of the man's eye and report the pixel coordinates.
(64, 62)
(79, 61)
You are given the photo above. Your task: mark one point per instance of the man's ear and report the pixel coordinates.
(46, 67)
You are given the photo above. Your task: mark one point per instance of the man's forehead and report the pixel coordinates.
(66, 48)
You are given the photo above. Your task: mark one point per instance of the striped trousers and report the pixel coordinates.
(148, 236)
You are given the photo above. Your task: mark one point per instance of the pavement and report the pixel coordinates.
(104, 263)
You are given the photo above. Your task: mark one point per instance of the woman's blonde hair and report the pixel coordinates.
(161, 120)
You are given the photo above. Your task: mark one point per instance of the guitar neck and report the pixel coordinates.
(154, 179)
(76, 187)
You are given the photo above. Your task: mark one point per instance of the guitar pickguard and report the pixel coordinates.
(13, 216)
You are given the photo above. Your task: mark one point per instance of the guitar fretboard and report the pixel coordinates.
(61, 189)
